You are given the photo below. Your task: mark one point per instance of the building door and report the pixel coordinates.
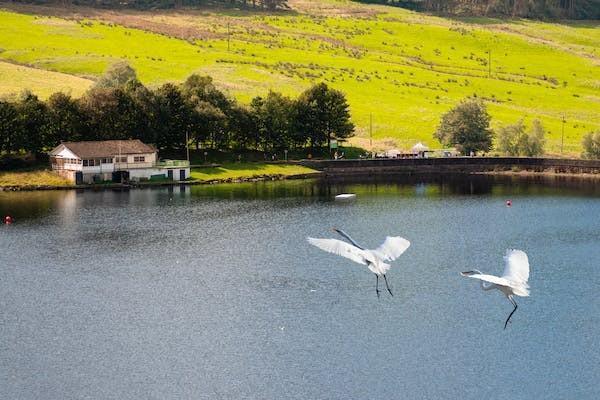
(78, 178)
(182, 174)
(170, 174)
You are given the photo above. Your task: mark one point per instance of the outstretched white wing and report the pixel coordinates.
(392, 248)
(340, 248)
(517, 267)
(487, 278)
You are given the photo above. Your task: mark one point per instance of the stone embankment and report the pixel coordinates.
(464, 165)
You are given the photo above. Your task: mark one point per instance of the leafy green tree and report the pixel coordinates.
(116, 76)
(173, 118)
(514, 140)
(322, 114)
(143, 112)
(33, 123)
(591, 145)
(243, 128)
(467, 127)
(208, 125)
(509, 137)
(198, 88)
(9, 127)
(273, 117)
(210, 108)
(65, 119)
(531, 144)
(110, 114)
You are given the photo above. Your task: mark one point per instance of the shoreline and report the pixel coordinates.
(588, 170)
(546, 174)
(313, 175)
(137, 185)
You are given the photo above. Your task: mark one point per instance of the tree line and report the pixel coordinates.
(172, 116)
(154, 4)
(466, 127)
(577, 9)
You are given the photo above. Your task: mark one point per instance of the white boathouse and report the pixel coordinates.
(114, 160)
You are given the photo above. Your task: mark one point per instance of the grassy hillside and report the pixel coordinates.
(14, 78)
(404, 68)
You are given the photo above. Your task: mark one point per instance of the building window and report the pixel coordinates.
(107, 161)
(139, 159)
(89, 163)
(121, 159)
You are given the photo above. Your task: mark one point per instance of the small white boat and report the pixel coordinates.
(345, 196)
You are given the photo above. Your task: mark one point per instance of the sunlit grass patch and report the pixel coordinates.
(247, 170)
(32, 178)
(15, 78)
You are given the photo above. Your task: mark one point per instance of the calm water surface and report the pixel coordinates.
(214, 293)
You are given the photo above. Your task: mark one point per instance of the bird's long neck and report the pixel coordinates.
(345, 235)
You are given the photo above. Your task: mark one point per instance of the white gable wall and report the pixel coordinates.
(66, 153)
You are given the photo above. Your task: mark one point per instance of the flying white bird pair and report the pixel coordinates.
(512, 283)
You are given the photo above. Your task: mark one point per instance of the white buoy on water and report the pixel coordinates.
(345, 196)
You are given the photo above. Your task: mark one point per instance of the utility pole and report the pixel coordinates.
(187, 146)
(371, 130)
(562, 136)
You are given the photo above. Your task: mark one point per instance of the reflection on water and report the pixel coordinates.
(37, 204)
(208, 292)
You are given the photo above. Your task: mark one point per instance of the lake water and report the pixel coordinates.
(213, 292)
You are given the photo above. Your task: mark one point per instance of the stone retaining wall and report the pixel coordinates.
(453, 165)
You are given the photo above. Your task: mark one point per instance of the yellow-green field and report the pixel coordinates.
(247, 170)
(14, 78)
(32, 178)
(403, 68)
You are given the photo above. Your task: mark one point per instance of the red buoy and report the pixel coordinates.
(508, 203)
(8, 220)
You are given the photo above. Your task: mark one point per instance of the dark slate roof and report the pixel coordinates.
(108, 148)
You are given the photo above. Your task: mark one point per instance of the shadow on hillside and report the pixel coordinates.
(81, 11)
(591, 24)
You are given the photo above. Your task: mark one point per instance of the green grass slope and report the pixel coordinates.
(15, 78)
(405, 69)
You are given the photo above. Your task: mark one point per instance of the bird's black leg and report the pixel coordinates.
(386, 285)
(513, 311)
(377, 285)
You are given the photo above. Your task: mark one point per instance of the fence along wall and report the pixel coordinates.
(453, 164)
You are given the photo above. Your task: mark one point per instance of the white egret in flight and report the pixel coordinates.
(375, 260)
(512, 283)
